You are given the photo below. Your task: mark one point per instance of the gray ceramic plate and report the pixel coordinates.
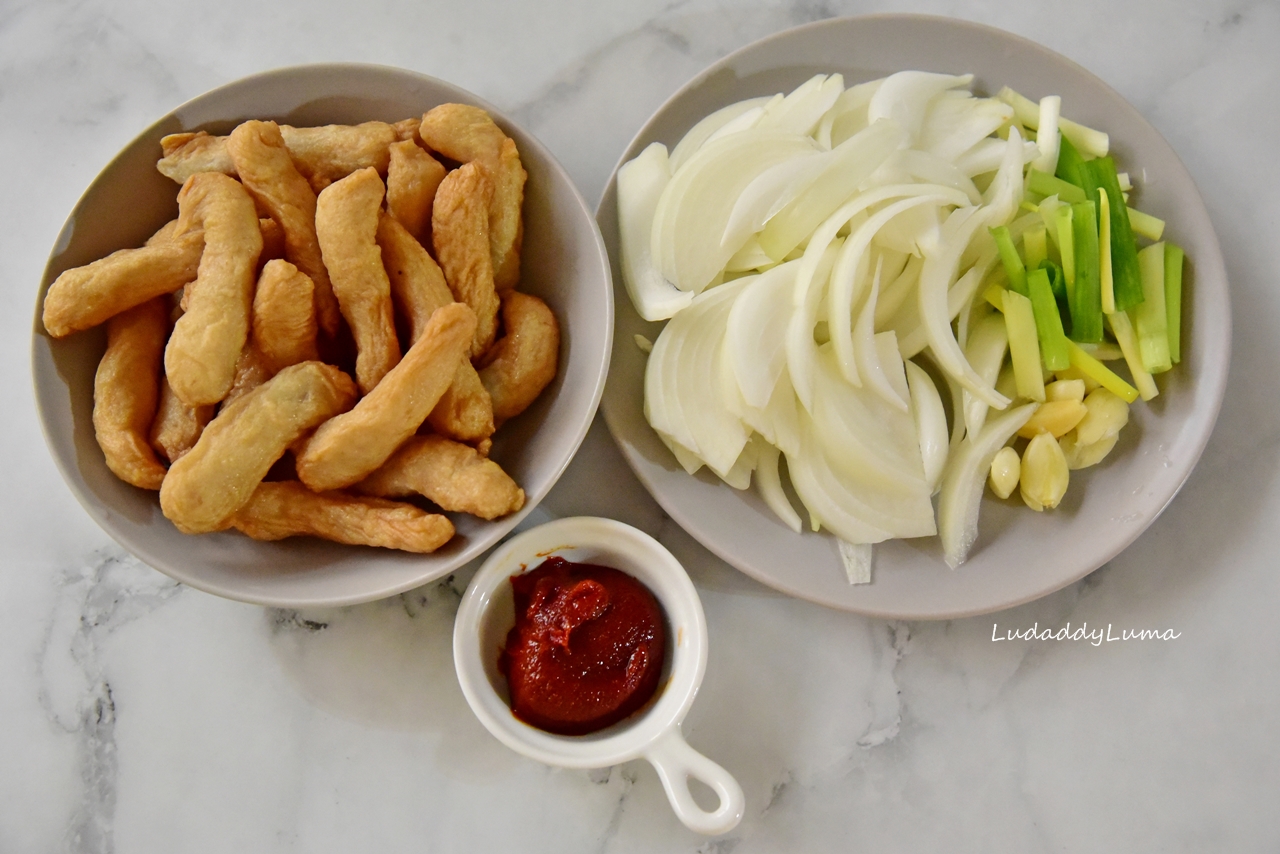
(1020, 555)
(564, 262)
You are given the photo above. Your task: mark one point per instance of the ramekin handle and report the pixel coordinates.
(675, 761)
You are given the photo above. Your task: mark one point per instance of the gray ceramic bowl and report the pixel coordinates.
(1020, 555)
(564, 262)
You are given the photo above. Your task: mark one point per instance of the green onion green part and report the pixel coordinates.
(1085, 296)
(1053, 341)
(1173, 299)
(1010, 258)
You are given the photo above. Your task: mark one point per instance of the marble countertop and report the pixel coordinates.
(138, 715)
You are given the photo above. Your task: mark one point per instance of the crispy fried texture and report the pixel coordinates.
(125, 391)
(465, 411)
(349, 446)
(284, 316)
(412, 178)
(237, 448)
(289, 509)
(460, 233)
(332, 152)
(407, 129)
(347, 224)
(524, 360)
(268, 173)
(466, 134)
(83, 297)
(251, 372)
(418, 287)
(322, 154)
(177, 427)
(200, 359)
(185, 154)
(451, 474)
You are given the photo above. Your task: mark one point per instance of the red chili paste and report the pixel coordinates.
(586, 649)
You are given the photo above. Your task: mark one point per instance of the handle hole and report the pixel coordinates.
(703, 795)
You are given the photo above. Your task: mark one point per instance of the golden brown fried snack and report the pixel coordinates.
(407, 129)
(289, 509)
(237, 448)
(83, 297)
(524, 360)
(412, 178)
(177, 427)
(418, 287)
(465, 412)
(284, 316)
(251, 372)
(332, 152)
(349, 446)
(451, 474)
(268, 173)
(125, 390)
(466, 134)
(460, 233)
(200, 359)
(185, 154)
(323, 154)
(347, 225)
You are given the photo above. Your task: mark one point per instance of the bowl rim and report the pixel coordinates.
(97, 510)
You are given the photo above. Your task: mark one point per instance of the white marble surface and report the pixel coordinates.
(137, 715)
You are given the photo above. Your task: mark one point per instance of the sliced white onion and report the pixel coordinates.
(931, 423)
(801, 110)
(856, 558)
(963, 480)
(703, 130)
(769, 483)
(640, 184)
(905, 96)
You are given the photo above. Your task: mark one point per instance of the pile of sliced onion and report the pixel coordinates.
(805, 248)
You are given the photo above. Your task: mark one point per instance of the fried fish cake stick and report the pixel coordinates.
(125, 391)
(524, 360)
(269, 174)
(460, 233)
(288, 509)
(465, 411)
(413, 176)
(418, 288)
(200, 360)
(177, 427)
(284, 316)
(451, 474)
(323, 154)
(349, 446)
(185, 154)
(216, 477)
(465, 133)
(347, 225)
(83, 297)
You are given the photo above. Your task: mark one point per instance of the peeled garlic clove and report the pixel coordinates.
(1108, 413)
(1044, 475)
(1081, 456)
(1065, 390)
(1056, 417)
(1006, 469)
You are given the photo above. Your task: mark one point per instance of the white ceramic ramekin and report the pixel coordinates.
(487, 614)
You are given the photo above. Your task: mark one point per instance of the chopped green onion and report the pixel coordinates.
(1035, 247)
(1101, 173)
(1100, 373)
(1173, 299)
(1027, 112)
(1050, 185)
(1053, 341)
(1145, 225)
(1010, 258)
(1085, 296)
(1024, 346)
(1063, 227)
(1149, 316)
(1069, 163)
(1106, 283)
(1122, 328)
(1059, 287)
